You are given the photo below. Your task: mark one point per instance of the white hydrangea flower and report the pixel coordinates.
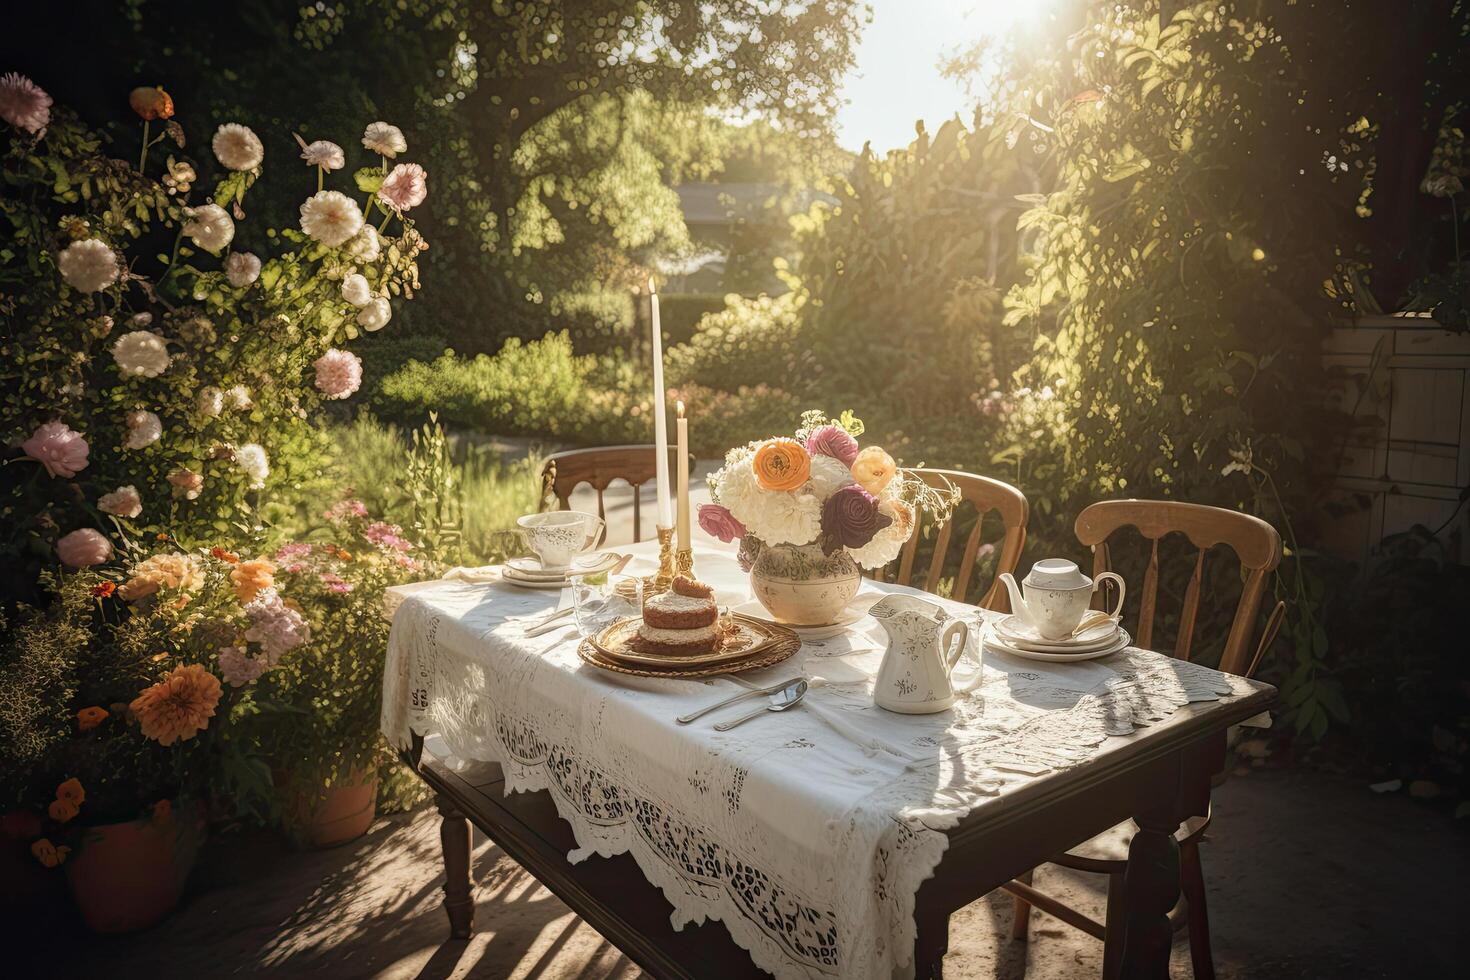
(210, 401)
(238, 398)
(251, 458)
(828, 476)
(384, 139)
(331, 217)
(141, 353)
(355, 290)
(375, 315)
(242, 269)
(88, 265)
(144, 429)
(237, 147)
(774, 517)
(210, 227)
(366, 246)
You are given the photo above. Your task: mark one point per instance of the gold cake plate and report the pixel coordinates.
(759, 644)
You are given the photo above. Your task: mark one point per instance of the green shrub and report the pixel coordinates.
(750, 342)
(681, 313)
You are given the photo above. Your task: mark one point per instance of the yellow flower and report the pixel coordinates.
(781, 464)
(62, 810)
(872, 469)
(251, 578)
(48, 853)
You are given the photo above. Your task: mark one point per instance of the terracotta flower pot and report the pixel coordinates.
(129, 876)
(333, 814)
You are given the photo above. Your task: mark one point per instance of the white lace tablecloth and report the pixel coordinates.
(807, 833)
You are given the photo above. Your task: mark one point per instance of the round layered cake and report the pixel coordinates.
(681, 622)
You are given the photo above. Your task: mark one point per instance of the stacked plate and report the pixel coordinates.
(1015, 635)
(528, 573)
(751, 644)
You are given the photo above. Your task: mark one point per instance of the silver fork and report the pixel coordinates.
(752, 693)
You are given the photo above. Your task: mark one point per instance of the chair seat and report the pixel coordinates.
(1107, 853)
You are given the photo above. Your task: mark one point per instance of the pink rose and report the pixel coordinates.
(82, 548)
(405, 187)
(186, 482)
(832, 440)
(55, 446)
(122, 502)
(338, 373)
(717, 521)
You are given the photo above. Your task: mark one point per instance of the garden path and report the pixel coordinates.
(1311, 876)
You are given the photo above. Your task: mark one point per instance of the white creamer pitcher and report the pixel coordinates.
(914, 676)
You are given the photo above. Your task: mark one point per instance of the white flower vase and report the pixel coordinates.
(800, 586)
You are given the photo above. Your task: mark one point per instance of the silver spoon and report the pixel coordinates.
(751, 693)
(787, 697)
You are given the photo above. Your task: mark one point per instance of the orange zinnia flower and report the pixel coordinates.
(151, 103)
(48, 853)
(62, 810)
(781, 464)
(224, 555)
(252, 577)
(179, 706)
(72, 791)
(104, 589)
(90, 718)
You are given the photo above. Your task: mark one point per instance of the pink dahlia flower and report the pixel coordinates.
(55, 446)
(338, 373)
(832, 440)
(23, 103)
(83, 548)
(405, 187)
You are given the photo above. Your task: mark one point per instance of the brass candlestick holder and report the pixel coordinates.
(684, 562)
(660, 580)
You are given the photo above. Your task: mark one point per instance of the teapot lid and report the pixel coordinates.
(1057, 573)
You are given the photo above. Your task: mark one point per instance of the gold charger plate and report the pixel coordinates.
(767, 644)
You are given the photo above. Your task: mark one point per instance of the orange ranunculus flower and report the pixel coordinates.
(62, 810)
(179, 706)
(781, 464)
(252, 577)
(90, 718)
(151, 102)
(163, 571)
(163, 809)
(872, 469)
(72, 791)
(104, 589)
(48, 853)
(223, 555)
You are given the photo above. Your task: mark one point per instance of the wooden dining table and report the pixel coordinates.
(1158, 774)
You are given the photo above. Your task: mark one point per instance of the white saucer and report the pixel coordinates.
(1018, 632)
(512, 578)
(993, 642)
(526, 567)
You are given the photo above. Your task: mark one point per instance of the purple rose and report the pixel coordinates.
(832, 440)
(718, 522)
(850, 518)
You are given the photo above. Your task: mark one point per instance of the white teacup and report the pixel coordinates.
(1057, 596)
(558, 536)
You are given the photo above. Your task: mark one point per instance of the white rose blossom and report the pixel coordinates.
(237, 147)
(141, 353)
(331, 217)
(88, 265)
(210, 227)
(242, 269)
(366, 246)
(355, 290)
(251, 458)
(210, 401)
(122, 502)
(384, 139)
(375, 315)
(238, 398)
(144, 429)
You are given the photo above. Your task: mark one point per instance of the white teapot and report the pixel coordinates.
(914, 676)
(1057, 596)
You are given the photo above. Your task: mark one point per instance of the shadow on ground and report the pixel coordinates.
(1309, 876)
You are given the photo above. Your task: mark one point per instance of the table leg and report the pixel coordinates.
(454, 837)
(931, 944)
(1150, 891)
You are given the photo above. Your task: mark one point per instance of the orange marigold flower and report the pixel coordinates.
(163, 809)
(151, 102)
(781, 464)
(62, 810)
(179, 706)
(48, 853)
(72, 791)
(345, 555)
(104, 589)
(872, 469)
(224, 555)
(252, 577)
(90, 718)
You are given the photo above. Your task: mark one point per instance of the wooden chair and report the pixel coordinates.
(1257, 547)
(564, 472)
(986, 495)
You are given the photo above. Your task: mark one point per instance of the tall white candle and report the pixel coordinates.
(682, 444)
(660, 417)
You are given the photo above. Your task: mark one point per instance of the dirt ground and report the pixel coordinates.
(1310, 876)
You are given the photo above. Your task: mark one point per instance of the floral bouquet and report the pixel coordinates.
(809, 509)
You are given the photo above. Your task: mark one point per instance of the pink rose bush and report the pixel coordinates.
(55, 446)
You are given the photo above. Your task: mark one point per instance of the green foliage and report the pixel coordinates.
(680, 314)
